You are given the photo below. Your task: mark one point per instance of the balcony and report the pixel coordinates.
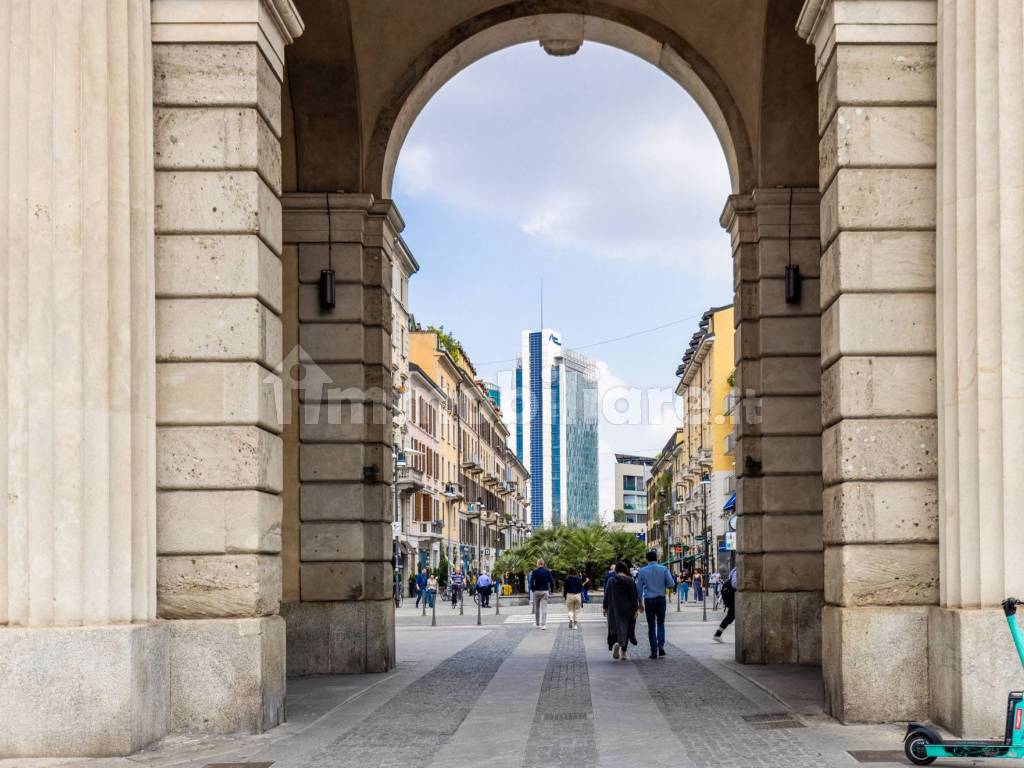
(471, 463)
(705, 456)
(729, 444)
(454, 491)
(732, 400)
(409, 479)
(429, 528)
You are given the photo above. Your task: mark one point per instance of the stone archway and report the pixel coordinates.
(364, 228)
(174, 551)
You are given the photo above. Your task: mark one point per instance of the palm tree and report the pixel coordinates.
(625, 546)
(588, 548)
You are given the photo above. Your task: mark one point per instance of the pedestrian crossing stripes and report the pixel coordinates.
(553, 618)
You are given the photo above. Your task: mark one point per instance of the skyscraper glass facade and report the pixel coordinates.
(580, 384)
(536, 457)
(556, 447)
(556, 430)
(519, 412)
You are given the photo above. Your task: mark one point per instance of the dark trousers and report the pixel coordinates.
(730, 617)
(655, 608)
(456, 593)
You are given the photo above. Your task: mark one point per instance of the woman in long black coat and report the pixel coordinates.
(621, 606)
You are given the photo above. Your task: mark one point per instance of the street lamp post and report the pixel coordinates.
(396, 574)
(479, 519)
(705, 482)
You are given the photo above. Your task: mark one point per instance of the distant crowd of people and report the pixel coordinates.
(628, 592)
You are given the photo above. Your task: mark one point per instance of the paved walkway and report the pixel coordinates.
(506, 695)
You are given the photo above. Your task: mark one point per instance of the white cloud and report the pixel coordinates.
(578, 176)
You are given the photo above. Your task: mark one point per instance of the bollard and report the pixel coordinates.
(497, 602)
(433, 612)
(479, 603)
(425, 593)
(462, 601)
(677, 598)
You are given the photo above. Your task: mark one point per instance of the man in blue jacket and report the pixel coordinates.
(651, 582)
(421, 586)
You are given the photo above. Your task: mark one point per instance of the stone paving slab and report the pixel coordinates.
(511, 696)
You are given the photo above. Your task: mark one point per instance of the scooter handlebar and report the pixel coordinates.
(1010, 606)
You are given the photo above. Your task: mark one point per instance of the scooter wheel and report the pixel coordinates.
(913, 748)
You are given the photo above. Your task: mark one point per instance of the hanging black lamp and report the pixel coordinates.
(792, 283)
(327, 279)
(792, 270)
(327, 288)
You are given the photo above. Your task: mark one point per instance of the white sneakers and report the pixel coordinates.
(616, 650)
(625, 656)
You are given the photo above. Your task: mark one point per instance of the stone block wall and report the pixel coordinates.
(342, 618)
(876, 120)
(778, 427)
(217, 77)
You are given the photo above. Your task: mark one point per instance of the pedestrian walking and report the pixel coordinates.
(572, 591)
(698, 585)
(653, 580)
(586, 589)
(483, 586)
(621, 606)
(431, 591)
(457, 581)
(729, 601)
(684, 584)
(541, 582)
(421, 585)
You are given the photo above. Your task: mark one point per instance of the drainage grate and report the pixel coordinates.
(238, 765)
(772, 721)
(877, 755)
(563, 716)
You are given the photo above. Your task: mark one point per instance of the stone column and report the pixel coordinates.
(876, 84)
(217, 94)
(981, 361)
(344, 619)
(778, 427)
(77, 551)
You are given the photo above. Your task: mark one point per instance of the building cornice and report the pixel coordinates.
(272, 25)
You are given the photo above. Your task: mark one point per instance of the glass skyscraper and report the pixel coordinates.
(556, 430)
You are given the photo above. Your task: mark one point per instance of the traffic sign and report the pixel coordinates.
(396, 528)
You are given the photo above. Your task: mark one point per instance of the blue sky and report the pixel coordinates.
(595, 171)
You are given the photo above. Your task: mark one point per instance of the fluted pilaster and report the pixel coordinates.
(76, 313)
(981, 301)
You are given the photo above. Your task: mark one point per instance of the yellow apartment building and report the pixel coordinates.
(705, 386)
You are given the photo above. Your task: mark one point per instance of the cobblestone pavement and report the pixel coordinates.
(507, 695)
(407, 730)
(563, 726)
(724, 727)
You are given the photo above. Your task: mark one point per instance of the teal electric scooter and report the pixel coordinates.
(922, 745)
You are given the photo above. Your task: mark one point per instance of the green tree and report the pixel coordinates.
(625, 546)
(619, 515)
(587, 548)
(448, 341)
(443, 566)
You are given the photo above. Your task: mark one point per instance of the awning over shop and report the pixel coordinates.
(730, 505)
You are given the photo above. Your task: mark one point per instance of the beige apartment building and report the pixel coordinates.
(484, 488)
